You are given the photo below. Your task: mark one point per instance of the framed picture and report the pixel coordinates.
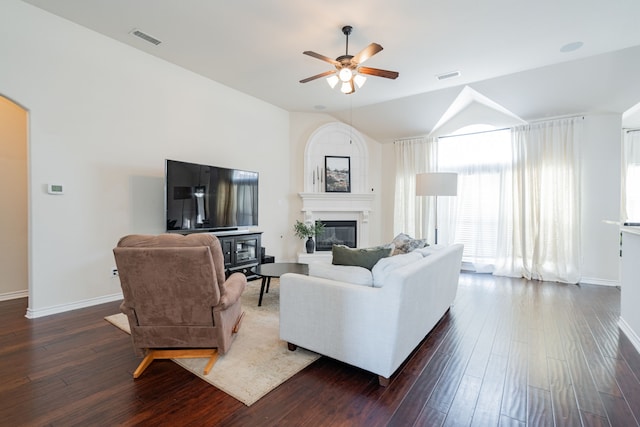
(337, 174)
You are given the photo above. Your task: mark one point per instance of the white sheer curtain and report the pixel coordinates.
(544, 243)
(413, 215)
(482, 161)
(631, 176)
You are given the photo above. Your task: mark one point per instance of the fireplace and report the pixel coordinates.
(351, 207)
(337, 233)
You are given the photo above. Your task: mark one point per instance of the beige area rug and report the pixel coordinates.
(258, 360)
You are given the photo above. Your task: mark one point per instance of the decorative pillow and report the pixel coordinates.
(405, 244)
(366, 257)
(385, 266)
(343, 273)
(428, 250)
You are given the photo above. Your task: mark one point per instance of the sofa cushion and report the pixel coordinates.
(361, 257)
(385, 266)
(404, 244)
(343, 273)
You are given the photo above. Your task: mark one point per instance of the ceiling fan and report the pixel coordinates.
(348, 69)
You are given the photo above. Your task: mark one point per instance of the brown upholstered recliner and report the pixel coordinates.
(176, 296)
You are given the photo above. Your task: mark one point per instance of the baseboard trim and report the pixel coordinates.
(601, 282)
(14, 295)
(630, 333)
(47, 311)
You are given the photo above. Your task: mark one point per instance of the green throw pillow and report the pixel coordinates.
(367, 257)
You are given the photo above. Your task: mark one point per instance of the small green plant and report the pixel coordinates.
(303, 230)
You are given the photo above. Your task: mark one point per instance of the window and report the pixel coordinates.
(482, 158)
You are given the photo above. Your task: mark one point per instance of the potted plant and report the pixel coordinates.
(308, 231)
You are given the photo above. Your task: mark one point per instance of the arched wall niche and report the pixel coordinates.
(335, 139)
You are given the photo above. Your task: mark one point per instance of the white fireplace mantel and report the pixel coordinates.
(337, 202)
(340, 206)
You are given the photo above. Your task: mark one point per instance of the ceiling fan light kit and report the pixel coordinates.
(348, 68)
(345, 74)
(333, 81)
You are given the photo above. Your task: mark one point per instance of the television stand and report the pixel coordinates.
(241, 251)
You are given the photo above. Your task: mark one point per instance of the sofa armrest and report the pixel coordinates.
(351, 323)
(232, 289)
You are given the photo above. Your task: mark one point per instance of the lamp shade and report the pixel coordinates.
(359, 79)
(437, 184)
(333, 81)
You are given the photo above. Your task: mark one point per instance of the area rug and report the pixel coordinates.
(258, 360)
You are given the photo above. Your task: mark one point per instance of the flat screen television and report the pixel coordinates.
(201, 198)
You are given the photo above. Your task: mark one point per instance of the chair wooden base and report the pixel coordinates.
(236, 327)
(152, 355)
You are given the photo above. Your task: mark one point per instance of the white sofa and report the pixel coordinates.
(372, 327)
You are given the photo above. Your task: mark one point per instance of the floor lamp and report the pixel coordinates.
(436, 184)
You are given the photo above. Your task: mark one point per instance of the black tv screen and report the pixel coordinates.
(209, 198)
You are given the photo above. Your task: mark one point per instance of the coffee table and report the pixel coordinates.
(277, 269)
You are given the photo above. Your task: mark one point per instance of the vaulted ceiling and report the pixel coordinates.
(513, 52)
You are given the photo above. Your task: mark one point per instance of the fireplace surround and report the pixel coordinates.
(337, 139)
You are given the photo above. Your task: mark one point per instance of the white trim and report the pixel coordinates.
(469, 105)
(47, 311)
(630, 333)
(337, 202)
(601, 282)
(14, 295)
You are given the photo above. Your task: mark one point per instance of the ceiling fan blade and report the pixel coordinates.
(321, 57)
(366, 53)
(317, 76)
(378, 72)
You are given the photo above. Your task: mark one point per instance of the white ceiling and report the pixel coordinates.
(507, 50)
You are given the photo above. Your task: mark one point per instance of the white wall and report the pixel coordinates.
(103, 117)
(13, 188)
(388, 190)
(600, 187)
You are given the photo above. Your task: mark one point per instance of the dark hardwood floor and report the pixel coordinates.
(509, 352)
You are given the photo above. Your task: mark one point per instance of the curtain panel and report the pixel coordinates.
(483, 163)
(412, 215)
(540, 233)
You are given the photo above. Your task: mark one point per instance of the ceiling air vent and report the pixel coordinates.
(145, 36)
(449, 75)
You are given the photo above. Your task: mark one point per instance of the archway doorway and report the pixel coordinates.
(14, 213)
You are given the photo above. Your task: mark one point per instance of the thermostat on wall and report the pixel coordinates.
(55, 189)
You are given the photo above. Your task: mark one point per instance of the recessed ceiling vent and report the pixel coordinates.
(145, 36)
(448, 75)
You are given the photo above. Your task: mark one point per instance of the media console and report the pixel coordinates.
(242, 251)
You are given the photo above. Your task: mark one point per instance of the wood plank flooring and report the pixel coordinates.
(509, 352)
